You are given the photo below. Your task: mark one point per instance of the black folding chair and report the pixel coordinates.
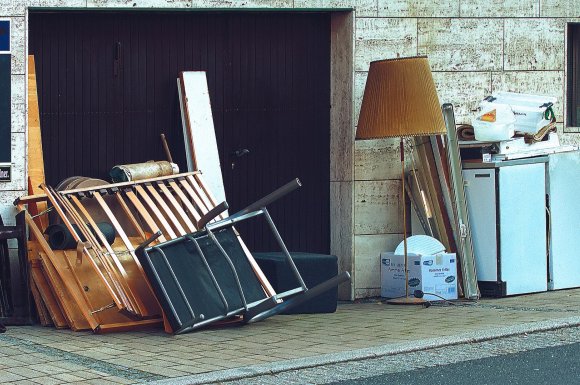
(206, 276)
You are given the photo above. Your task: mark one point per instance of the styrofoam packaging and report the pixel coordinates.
(503, 127)
(432, 274)
(528, 109)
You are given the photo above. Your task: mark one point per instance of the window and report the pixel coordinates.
(573, 97)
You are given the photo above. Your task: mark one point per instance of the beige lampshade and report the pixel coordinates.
(400, 99)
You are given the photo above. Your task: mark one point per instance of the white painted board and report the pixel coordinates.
(199, 133)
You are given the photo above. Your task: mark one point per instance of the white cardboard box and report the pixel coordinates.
(436, 274)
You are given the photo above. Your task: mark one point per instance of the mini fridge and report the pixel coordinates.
(507, 214)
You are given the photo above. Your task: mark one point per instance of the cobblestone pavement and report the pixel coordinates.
(33, 354)
(327, 374)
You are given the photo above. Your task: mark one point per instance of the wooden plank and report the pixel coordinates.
(75, 308)
(172, 218)
(137, 304)
(199, 132)
(167, 229)
(145, 214)
(35, 154)
(143, 292)
(177, 207)
(129, 326)
(41, 310)
(47, 296)
(103, 308)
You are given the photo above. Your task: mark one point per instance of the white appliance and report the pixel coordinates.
(507, 214)
(564, 204)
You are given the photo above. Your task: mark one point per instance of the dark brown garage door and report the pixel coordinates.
(107, 89)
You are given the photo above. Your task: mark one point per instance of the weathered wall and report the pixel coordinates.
(475, 47)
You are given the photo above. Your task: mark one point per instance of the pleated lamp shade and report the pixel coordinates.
(400, 100)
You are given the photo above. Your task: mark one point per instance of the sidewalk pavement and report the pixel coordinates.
(38, 355)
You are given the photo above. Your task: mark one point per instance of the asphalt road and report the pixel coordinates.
(541, 366)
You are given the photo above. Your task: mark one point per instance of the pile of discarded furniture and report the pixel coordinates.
(141, 253)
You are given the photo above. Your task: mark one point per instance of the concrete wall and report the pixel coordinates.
(475, 47)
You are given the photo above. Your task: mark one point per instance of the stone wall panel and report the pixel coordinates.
(461, 44)
(378, 39)
(464, 90)
(139, 3)
(362, 8)
(560, 8)
(534, 44)
(505, 8)
(418, 8)
(377, 207)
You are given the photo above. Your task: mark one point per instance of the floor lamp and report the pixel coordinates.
(400, 100)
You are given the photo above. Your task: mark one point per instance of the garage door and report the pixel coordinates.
(107, 90)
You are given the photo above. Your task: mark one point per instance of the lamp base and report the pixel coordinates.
(406, 301)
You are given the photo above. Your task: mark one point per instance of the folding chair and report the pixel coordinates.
(206, 276)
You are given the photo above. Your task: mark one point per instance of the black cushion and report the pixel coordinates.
(314, 269)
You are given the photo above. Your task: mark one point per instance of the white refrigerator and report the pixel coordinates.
(507, 214)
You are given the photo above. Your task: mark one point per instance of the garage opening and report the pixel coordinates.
(107, 90)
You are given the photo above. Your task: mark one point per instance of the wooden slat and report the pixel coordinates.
(207, 204)
(135, 300)
(177, 208)
(144, 213)
(67, 223)
(140, 285)
(172, 218)
(115, 279)
(188, 205)
(202, 208)
(160, 218)
(129, 213)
